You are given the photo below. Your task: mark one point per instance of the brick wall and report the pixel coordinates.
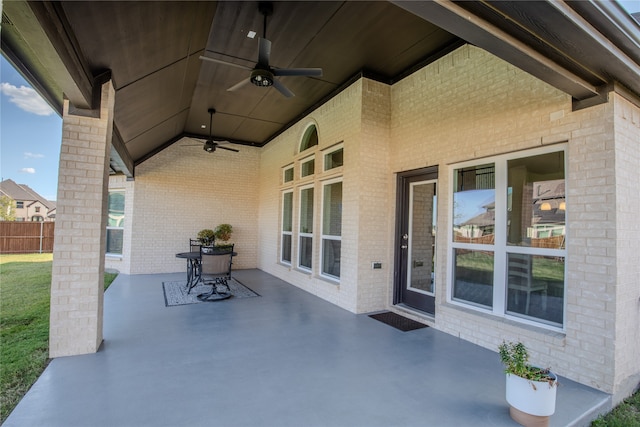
(626, 269)
(337, 120)
(182, 190)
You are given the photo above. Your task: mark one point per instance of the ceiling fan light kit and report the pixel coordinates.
(262, 74)
(262, 78)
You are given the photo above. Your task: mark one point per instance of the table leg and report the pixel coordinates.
(193, 276)
(189, 275)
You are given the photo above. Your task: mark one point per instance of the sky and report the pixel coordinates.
(30, 135)
(31, 132)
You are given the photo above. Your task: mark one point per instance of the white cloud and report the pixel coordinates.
(27, 170)
(26, 99)
(28, 155)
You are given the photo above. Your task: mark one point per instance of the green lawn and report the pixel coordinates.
(626, 414)
(25, 283)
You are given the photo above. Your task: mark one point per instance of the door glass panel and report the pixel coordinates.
(422, 237)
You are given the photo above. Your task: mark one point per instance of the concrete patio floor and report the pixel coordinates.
(285, 358)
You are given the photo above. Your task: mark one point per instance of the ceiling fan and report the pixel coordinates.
(210, 144)
(263, 74)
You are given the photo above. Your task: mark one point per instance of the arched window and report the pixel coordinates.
(309, 139)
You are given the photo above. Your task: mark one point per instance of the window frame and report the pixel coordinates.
(284, 174)
(306, 134)
(283, 232)
(307, 160)
(324, 236)
(306, 234)
(500, 248)
(111, 227)
(328, 152)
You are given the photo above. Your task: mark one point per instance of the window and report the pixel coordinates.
(331, 229)
(473, 228)
(115, 222)
(508, 236)
(309, 139)
(333, 159)
(305, 247)
(19, 205)
(37, 209)
(307, 167)
(287, 227)
(287, 174)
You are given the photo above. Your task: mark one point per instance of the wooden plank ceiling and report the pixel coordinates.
(163, 89)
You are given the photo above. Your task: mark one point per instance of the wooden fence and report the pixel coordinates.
(18, 237)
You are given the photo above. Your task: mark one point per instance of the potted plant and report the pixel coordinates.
(530, 391)
(206, 237)
(223, 233)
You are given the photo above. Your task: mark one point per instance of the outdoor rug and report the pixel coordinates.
(175, 293)
(397, 321)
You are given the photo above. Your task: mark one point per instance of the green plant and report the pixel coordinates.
(223, 232)
(626, 414)
(206, 237)
(25, 292)
(515, 358)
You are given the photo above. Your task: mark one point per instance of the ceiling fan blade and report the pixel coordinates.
(282, 89)
(264, 51)
(227, 148)
(239, 84)
(312, 72)
(219, 61)
(199, 143)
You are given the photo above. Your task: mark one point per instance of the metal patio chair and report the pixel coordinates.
(215, 270)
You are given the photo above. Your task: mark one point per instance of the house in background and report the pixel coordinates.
(29, 205)
(356, 188)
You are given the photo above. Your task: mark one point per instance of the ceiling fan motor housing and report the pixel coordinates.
(209, 146)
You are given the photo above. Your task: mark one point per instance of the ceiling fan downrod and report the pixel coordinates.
(266, 9)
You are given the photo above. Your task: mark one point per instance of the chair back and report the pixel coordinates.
(520, 271)
(216, 262)
(194, 245)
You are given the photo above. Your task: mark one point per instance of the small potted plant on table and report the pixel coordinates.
(206, 237)
(223, 233)
(531, 391)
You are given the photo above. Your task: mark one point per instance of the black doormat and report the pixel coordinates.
(397, 321)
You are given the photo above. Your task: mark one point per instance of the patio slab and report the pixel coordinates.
(285, 358)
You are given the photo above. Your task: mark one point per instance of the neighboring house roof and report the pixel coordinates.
(483, 220)
(22, 192)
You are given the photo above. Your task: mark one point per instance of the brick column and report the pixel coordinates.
(77, 282)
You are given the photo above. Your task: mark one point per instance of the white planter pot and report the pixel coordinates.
(532, 397)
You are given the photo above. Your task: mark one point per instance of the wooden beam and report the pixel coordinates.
(464, 24)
